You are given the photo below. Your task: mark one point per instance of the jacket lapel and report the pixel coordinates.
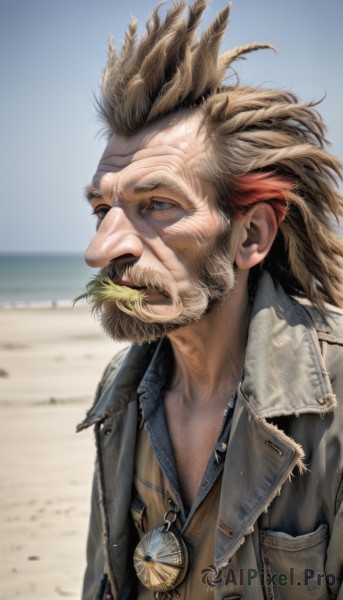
(260, 458)
(115, 418)
(284, 374)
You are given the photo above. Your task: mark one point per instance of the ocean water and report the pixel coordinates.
(27, 279)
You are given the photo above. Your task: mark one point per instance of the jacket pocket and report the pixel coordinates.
(138, 513)
(293, 567)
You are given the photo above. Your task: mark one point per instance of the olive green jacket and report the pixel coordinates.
(280, 524)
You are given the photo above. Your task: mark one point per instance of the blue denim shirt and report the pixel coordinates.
(151, 391)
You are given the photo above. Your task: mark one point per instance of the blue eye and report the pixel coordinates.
(160, 205)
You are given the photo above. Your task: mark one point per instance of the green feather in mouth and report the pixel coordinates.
(102, 289)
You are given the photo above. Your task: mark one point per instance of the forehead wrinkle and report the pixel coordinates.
(182, 142)
(178, 155)
(158, 143)
(113, 160)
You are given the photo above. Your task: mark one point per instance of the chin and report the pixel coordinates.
(126, 328)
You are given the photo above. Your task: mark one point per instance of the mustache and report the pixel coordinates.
(102, 288)
(139, 277)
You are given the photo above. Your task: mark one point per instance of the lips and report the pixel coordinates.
(143, 280)
(125, 282)
(152, 290)
(130, 284)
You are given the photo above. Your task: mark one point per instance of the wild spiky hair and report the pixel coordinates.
(264, 145)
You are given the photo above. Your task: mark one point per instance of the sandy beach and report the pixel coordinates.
(50, 362)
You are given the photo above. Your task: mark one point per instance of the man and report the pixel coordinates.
(219, 433)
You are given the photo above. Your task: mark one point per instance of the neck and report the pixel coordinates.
(209, 354)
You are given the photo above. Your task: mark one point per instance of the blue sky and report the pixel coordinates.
(52, 53)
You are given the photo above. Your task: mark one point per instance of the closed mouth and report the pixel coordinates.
(152, 289)
(129, 284)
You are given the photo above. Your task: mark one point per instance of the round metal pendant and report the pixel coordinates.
(161, 559)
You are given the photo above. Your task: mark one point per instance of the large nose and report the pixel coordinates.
(116, 237)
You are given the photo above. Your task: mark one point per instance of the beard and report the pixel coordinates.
(128, 314)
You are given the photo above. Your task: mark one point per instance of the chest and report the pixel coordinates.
(193, 436)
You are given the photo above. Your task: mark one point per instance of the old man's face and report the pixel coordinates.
(158, 231)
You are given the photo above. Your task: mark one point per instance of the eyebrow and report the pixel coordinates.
(161, 184)
(92, 192)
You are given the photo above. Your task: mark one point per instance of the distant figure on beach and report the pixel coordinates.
(219, 431)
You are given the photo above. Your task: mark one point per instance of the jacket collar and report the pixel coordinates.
(284, 371)
(125, 377)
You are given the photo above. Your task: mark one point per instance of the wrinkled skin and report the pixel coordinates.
(157, 213)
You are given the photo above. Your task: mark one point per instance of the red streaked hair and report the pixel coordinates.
(261, 187)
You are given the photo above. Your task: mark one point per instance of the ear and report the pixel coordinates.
(257, 231)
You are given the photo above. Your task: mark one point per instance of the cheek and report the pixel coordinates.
(185, 242)
(192, 234)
